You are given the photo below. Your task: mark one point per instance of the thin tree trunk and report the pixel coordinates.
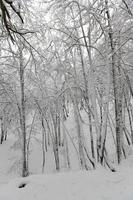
(87, 102)
(22, 107)
(117, 85)
(80, 139)
(2, 131)
(56, 141)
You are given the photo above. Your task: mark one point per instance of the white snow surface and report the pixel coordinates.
(99, 184)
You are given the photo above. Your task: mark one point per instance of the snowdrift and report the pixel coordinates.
(81, 185)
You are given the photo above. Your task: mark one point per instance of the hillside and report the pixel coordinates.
(97, 185)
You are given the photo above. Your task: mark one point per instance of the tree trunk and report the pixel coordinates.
(117, 85)
(2, 131)
(22, 120)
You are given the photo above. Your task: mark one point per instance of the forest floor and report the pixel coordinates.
(7, 159)
(99, 184)
(95, 185)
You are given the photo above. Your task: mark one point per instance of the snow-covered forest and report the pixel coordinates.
(66, 99)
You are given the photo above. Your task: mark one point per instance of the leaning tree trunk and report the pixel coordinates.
(91, 77)
(85, 78)
(80, 134)
(80, 138)
(106, 105)
(86, 97)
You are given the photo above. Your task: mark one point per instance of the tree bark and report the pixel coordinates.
(117, 85)
(22, 108)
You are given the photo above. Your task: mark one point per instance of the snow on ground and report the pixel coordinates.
(99, 184)
(7, 160)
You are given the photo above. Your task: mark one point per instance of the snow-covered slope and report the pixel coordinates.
(95, 185)
(8, 161)
(99, 184)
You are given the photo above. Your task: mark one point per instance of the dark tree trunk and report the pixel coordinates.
(22, 117)
(117, 85)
